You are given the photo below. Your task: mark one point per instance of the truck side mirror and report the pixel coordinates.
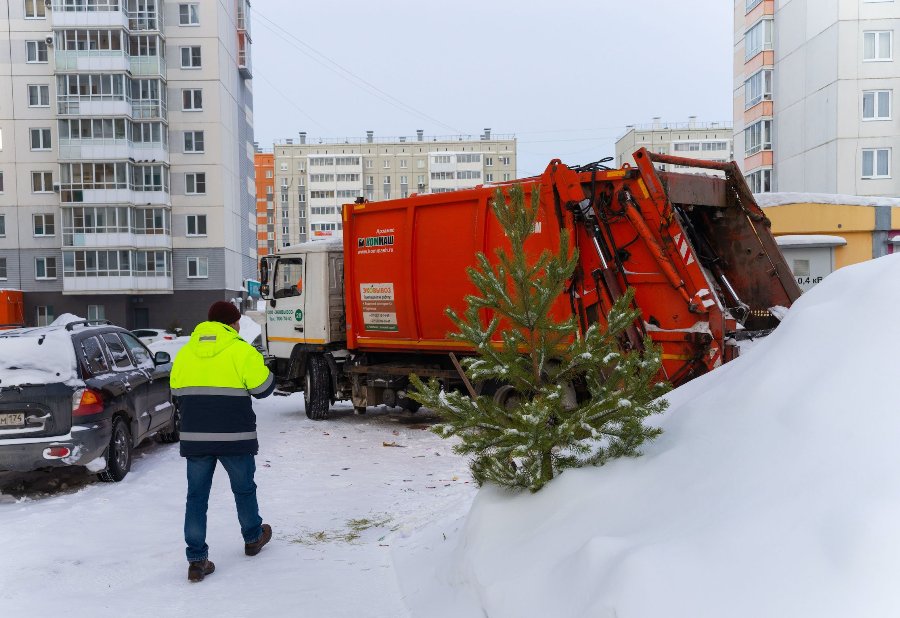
(264, 290)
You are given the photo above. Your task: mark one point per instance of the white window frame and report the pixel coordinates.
(196, 221)
(765, 137)
(195, 177)
(761, 81)
(201, 267)
(767, 36)
(190, 57)
(39, 89)
(47, 317)
(44, 135)
(96, 312)
(191, 137)
(4, 269)
(47, 219)
(751, 4)
(194, 94)
(878, 113)
(46, 261)
(875, 159)
(877, 34)
(2, 226)
(43, 176)
(756, 180)
(37, 46)
(38, 8)
(193, 14)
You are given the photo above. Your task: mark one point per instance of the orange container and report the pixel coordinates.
(12, 309)
(406, 260)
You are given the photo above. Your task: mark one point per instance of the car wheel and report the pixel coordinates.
(316, 394)
(118, 456)
(171, 433)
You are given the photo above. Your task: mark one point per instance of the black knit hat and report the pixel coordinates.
(224, 312)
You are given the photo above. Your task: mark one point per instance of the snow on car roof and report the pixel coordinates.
(42, 355)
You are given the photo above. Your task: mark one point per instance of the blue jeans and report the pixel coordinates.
(240, 469)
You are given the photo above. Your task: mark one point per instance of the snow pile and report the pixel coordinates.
(771, 493)
(810, 240)
(66, 318)
(170, 346)
(29, 356)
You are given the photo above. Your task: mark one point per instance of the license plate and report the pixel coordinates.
(12, 420)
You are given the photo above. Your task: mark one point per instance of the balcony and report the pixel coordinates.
(104, 240)
(93, 105)
(154, 66)
(74, 194)
(91, 61)
(133, 284)
(80, 14)
(110, 149)
(149, 109)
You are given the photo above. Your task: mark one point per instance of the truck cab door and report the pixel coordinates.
(285, 313)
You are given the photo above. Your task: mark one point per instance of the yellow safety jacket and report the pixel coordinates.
(213, 377)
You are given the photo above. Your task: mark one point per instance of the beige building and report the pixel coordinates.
(814, 86)
(314, 178)
(126, 159)
(710, 141)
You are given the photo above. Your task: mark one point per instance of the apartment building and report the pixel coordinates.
(710, 141)
(314, 178)
(264, 162)
(813, 95)
(126, 158)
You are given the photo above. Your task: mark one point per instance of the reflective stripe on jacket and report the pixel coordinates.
(213, 377)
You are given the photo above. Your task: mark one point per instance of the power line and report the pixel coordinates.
(290, 101)
(343, 72)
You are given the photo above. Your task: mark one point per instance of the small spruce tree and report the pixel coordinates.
(523, 441)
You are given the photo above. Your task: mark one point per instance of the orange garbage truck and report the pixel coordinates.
(351, 319)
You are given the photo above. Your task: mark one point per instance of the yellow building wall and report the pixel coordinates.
(854, 224)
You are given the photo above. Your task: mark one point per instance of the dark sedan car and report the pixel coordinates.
(80, 394)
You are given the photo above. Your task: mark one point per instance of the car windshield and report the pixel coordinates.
(36, 357)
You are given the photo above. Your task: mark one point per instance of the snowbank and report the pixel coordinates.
(66, 318)
(168, 345)
(771, 492)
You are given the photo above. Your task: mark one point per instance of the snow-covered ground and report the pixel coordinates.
(774, 491)
(340, 495)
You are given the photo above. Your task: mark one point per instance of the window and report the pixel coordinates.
(468, 175)
(714, 146)
(193, 141)
(403, 163)
(198, 268)
(505, 160)
(189, 14)
(760, 181)
(40, 139)
(44, 225)
(758, 38)
(269, 174)
(93, 353)
(1, 191)
(3, 269)
(321, 178)
(345, 161)
(758, 88)
(2, 226)
(877, 45)
(41, 182)
(35, 9)
(442, 158)
(369, 164)
(751, 4)
(196, 225)
(287, 275)
(138, 352)
(35, 51)
(876, 105)
(687, 147)
(321, 161)
(489, 178)
(876, 163)
(96, 312)
(38, 95)
(117, 351)
(505, 177)
(468, 158)
(195, 183)
(45, 268)
(192, 100)
(387, 164)
(190, 57)
(420, 164)
(44, 315)
(758, 136)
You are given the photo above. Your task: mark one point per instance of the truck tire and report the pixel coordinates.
(118, 456)
(317, 392)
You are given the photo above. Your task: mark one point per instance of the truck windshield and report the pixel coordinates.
(288, 279)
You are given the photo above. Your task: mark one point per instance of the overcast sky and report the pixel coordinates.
(564, 77)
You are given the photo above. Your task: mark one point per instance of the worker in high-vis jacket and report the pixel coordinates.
(213, 377)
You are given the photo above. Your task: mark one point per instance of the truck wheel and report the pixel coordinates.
(118, 456)
(317, 393)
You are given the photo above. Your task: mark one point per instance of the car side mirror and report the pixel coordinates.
(161, 358)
